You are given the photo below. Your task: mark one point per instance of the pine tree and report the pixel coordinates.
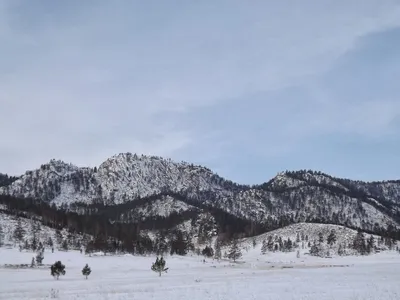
(270, 244)
(298, 238)
(50, 242)
(86, 271)
(234, 251)
(19, 231)
(59, 237)
(370, 244)
(320, 238)
(264, 247)
(65, 245)
(254, 243)
(1, 236)
(331, 238)
(288, 245)
(39, 257)
(34, 242)
(208, 252)
(57, 269)
(161, 244)
(341, 250)
(217, 254)
(315, 249)
(159, 266)
(359, 243)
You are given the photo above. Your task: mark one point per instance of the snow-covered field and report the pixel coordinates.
(272, 276)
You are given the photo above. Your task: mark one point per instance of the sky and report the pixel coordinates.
(246, 88)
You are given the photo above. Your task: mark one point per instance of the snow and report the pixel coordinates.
(8, 224)
(273, 276)
(164, 207)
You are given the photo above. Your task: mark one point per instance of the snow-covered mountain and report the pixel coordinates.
(122, 178)
(140, 187)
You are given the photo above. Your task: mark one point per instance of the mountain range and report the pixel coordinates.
(129, 188)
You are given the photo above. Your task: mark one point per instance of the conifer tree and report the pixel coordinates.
(39, 257)
(320, 238)
(57, 269)
(331, 238)
(288, 245)
(341, 250)
(370, 244)
(270, 244)
(86, 271)
(65, 245)
(1, 236)
(254, 243)
(34, 242)
(359, 243)
(19, 231)
(208, 252)
(59, 237)
(264, 247)
(217, 254)
(298, 238)
(234, 251)
(159, 266)
(50, 242)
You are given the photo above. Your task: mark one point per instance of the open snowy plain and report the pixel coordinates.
(273, 276)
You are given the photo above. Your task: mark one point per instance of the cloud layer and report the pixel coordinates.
(214, 82)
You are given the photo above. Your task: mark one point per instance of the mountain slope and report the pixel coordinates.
(122, 178)
(130, 188)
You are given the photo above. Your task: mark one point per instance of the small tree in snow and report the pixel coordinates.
(316, 249)
(254, 243)
(33, 262)
(65, 245)
(320, 237)
(50, 242)
(57, 269)
(331, 238)
(208, 252)
(359, 243)
(1, 236)
(370, 244)
(341, 250)
(159, 266)
(86, 271)
(19, 231)
(234, 251)
(264, 247)
(39, 257)
(298, 238)
(217, 254)
(271, 244)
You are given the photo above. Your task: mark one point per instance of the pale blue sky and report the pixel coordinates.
(247, 88)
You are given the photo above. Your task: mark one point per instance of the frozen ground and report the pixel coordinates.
(273, 276)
